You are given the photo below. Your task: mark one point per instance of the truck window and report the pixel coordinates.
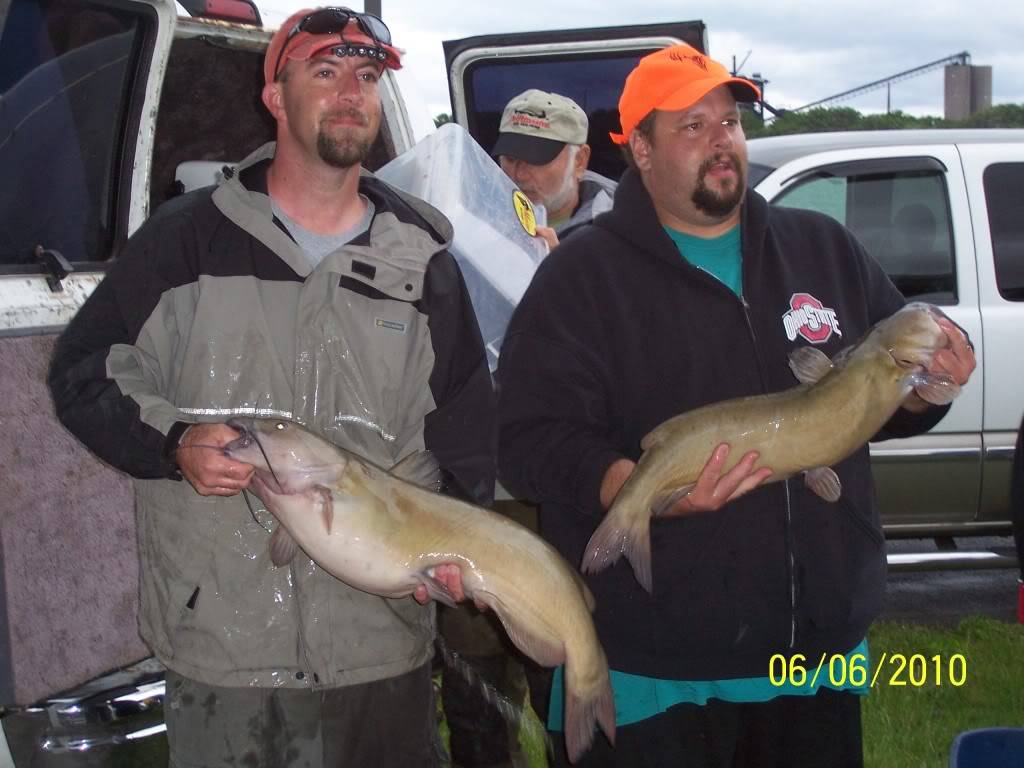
(65, 73)
(1004, 197)
(901, 217)
(595, 83)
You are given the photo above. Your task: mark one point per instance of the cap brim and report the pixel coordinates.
(313, 45)
(741, 90)
(531, 149)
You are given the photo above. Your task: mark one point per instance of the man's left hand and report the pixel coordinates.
(451, 576)
(956, 361)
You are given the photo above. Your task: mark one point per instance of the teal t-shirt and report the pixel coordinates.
(638, 698)
(718, 256)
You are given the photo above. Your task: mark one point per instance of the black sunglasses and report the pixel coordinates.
(331, 21)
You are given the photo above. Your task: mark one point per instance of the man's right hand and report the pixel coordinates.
(547, 234)
(712, 491)
(202, 461)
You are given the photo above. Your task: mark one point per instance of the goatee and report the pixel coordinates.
(347, 150)
(719, 204)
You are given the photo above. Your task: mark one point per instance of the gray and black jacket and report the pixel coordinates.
(596, 197)
(616, 334)
(211, 310)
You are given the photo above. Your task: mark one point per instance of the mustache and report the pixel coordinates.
(731, 157)
(349, 112)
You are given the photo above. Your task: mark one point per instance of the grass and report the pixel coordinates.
(910, 726)
(913, 726)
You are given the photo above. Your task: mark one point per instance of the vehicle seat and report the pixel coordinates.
(913, 239)
(196, 174)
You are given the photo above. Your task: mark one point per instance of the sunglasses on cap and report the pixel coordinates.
(332, 21)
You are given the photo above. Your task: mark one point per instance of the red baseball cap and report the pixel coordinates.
(674, 78)
(292, 42)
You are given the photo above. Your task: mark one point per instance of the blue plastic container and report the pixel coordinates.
(988, 748)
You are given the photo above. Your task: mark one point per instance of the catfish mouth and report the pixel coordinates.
(246, 440)
(921, 340)
(243, 441)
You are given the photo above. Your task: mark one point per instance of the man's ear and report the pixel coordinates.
(273, 100)
(582, 160)
(640, 147)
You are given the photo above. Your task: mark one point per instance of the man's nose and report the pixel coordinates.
(721, 136)
(520, 169)
(348, 88)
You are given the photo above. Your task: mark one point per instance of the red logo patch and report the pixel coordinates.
(809, 318)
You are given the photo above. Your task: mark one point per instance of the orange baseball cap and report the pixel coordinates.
(292, 41)
(674, 78)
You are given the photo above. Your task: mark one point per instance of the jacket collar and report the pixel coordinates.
(405, 230)
(634, 219)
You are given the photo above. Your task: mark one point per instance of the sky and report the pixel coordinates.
(806, 50)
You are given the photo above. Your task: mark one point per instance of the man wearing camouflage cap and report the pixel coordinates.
(542, 146)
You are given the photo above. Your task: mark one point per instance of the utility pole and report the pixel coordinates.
(372, 6)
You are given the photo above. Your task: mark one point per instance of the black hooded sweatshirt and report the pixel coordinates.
(618, 333)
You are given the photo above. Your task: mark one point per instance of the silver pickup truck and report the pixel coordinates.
(107, 106)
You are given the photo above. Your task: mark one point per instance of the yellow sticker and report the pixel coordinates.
(525, 212)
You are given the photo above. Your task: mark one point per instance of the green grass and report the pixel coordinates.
(913, 726)
(909, 726)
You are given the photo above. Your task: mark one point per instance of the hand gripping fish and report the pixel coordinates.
(383, 532)
(837, 407)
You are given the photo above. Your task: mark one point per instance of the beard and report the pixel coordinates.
(345, 150)
(562, 196)
(714, 203)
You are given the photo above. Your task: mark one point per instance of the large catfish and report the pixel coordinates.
(383, 533)
(835, 410)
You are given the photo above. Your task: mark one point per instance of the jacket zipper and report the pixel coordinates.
(790, 564)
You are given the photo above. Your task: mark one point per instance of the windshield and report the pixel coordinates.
(757, 173)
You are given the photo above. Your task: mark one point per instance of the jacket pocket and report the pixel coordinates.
(861, 522)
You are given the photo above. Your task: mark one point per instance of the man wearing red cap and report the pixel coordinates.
(685, 294)
(301, 287)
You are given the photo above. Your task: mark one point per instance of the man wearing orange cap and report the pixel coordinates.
(690, 291)
(301, 287)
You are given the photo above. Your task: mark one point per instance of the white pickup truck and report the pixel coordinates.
(101, 104)
(943, 212)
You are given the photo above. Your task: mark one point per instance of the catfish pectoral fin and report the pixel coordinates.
(621, 534)
(666, 501)
(935, 388)
(282, 547)
(809, 364)
(824, 482)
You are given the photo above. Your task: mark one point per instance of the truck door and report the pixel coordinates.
(910, 210)
(78, 80)
(995, 186)
(587, 65)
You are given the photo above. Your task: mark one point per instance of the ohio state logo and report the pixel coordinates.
(809, 318)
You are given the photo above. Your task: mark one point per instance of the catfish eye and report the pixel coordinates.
(280, 425)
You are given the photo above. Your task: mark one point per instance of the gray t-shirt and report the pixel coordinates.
(316, 246)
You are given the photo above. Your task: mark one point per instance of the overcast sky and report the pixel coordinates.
(806, 50)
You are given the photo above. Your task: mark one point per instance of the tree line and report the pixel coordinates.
(849, 119)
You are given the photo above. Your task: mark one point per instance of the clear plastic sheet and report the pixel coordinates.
(497, 255)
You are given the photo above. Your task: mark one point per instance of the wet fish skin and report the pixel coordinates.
(382, 534)
(838, 406)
